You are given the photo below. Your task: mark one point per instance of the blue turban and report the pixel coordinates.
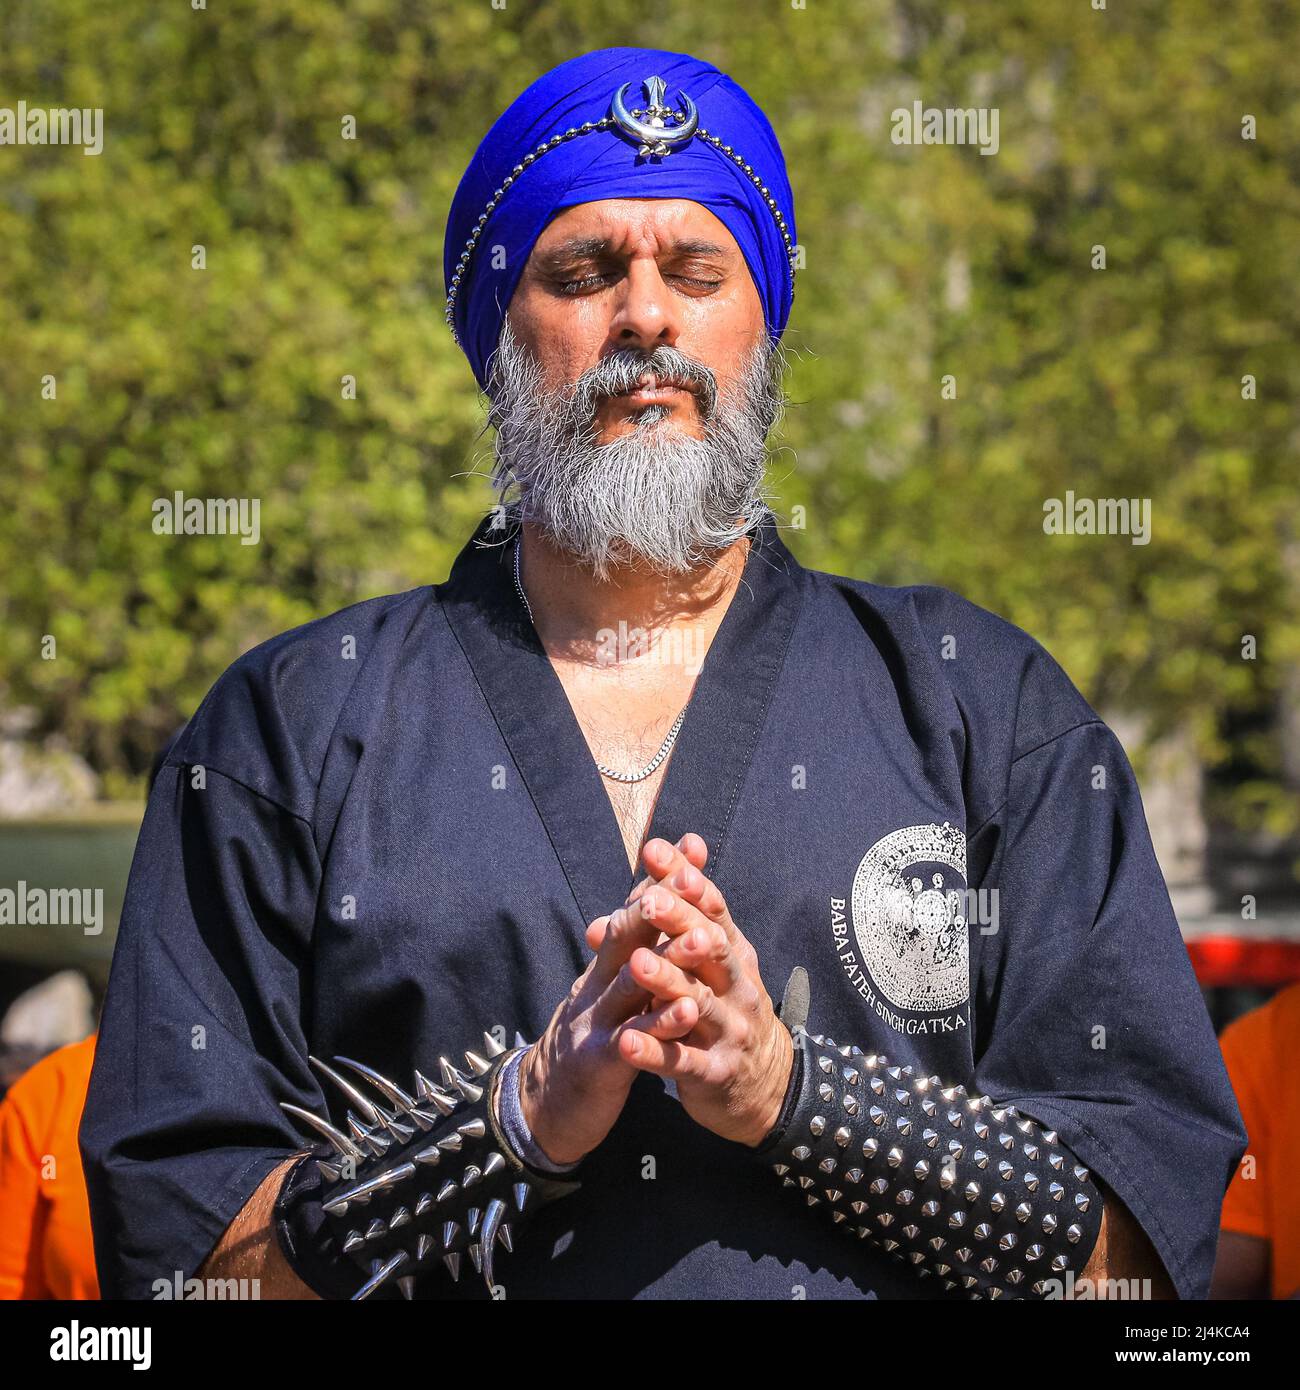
(605, 164)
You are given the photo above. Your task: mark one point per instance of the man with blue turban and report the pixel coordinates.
(420, 822)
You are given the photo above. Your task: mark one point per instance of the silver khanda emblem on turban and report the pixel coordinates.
(649, 124)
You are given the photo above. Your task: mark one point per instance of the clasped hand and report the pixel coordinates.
(673, 989)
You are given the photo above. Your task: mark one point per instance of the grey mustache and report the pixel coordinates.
(621, 371)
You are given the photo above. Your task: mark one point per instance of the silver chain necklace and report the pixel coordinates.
(665, 747)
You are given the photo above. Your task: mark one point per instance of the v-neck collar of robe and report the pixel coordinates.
(713, 751)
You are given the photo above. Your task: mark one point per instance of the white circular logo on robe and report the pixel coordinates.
(909, 896)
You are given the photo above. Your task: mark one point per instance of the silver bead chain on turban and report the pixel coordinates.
(573, 132)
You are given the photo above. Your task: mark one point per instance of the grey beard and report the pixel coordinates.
(654, 496)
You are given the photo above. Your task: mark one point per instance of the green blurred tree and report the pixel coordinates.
(1119, 128)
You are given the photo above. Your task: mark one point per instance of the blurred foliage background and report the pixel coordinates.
(1119, 128)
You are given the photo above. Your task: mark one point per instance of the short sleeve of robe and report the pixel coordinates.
(204, 1029)
(1092, 1020)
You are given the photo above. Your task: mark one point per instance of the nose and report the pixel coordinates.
(645, 314)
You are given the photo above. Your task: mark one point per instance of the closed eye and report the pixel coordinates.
(592, 282)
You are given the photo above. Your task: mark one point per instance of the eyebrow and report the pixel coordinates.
(589, 248)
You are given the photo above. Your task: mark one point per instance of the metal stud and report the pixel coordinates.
(389, 1088)
(341, 1142)
(381, 1273)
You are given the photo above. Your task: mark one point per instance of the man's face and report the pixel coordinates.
(638, 274)
(633, 388)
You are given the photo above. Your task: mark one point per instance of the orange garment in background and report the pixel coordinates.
(1260, 1050)
(45, 1242)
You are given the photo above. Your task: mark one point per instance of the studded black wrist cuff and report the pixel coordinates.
(409, 1190)
(963, 1190)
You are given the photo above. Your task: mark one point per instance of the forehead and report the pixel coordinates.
(629, 223)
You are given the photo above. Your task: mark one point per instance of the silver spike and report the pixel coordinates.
(476, 1063)
(505, 1238)
(354, 1238)
(472, 1129)
(491, 1046)
(376, 1229)
(407, 1285)
(401, 1217)
(329, 1170)
(493, 1164)
(450, 1076)
(476, 1254)
(471, 1175)
(450, 1230)
(447, 1190)
(381, 1273)
(520, 1040)
(444, 1105)
(452, 1261)
(368, 1186)
(355, 1098)
(492, 1218)
(422, 1248)
(522, 1193)
(451, 1143)
(423, 1203)
(389, 1088)
(429, 1156)
(341, 1142)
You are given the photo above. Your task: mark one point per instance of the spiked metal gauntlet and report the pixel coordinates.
(411, 1187)
(961, 1189)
